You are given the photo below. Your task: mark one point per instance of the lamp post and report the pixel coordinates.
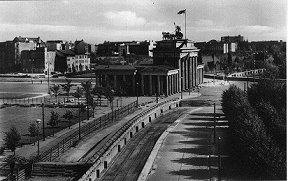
(157, 97)
(79, 130)
(214, 130)
(219, 159)
(181, 87)
(134, 74)
(137, 94)
(254, 70)
(112, 104)
(43, 125)
(38, 121)
(48, 76)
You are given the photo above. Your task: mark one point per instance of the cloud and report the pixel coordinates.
(204, 23)
(253, 28)
(35, 27)
(124, 19)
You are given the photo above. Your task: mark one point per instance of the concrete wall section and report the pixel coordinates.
(98, 168)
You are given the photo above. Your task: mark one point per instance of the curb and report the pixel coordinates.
(149, 163)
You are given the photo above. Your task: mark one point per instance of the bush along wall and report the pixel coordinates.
(257, 132)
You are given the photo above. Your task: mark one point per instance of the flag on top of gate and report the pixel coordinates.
(182, 11)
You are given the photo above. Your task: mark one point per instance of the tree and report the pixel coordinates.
(255, 129)
(121, 90)
(67, 87)
(54, 120)
(14, 160)
(73, 68)
(33, 130)
(78, 94)
(109, 95)
(229, 61)
(12, 139)
(55, 89)
(98, 91)
(68, 115)
(92, 104)
(87, 87)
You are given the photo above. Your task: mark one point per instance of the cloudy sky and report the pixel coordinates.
(118, 20)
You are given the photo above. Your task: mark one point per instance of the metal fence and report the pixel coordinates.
(53, 101)
(24, 101)
(70, 141)
(122, 130)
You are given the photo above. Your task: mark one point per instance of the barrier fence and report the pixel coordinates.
(55, 101)
(73, 138)
(122, 130)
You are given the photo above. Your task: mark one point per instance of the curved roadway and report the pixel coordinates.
(128, 165)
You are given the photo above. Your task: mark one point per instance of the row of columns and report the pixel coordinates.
(188, 72)
(156, 84)
(185, 79)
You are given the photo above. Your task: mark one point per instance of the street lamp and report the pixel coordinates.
(43, 116)
(137, 94)
(181, 87)
(48, 76)
(214, 130)
(157, 97)
(219, 159)
(38, 121)
(134, 74)
(79, 120)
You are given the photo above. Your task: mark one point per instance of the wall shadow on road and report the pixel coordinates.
(196, 103)
(202, 142)
(201, 119)
(207, 114)
(197, 174)
(204, 150)
(197, 161)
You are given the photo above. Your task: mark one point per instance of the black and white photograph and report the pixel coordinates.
(143, 90)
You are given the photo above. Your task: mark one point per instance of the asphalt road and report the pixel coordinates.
(128, 165)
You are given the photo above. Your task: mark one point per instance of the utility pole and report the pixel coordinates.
(43, 125)
(48, 77)
(219, 159)
(79, 121)
(214, 123)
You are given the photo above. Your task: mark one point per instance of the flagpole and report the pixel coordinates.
(185, 24)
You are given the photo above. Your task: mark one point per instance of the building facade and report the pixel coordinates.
(38, 61)
(175, 69)
(126, 48)
(53, 45)
(226, 39)
(78, 63)
(230, 43)
(10, 52)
